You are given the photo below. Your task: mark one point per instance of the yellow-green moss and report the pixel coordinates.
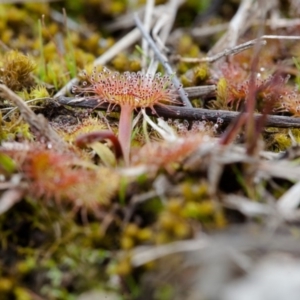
(201, 73)
(14, 128)
(16, 69)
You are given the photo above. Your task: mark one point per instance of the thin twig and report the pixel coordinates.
(201, 32)
(194, 92)
(236, 49)
(167, 67)
(192, 114)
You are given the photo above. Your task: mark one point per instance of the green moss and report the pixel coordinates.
(198, 210)
(7, 165)
(164, 292)
(36, 95)
(282, 141)
(16, 69)
(222, 95)
(14, 128)
(279, 139)
(192, 192)
(201, 73)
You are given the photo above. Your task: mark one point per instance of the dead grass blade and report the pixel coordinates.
(288, 203)
(144, 255)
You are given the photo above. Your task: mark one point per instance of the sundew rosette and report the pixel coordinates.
(137, 90)
(130, 91)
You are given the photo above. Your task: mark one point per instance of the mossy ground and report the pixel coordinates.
(75, 218)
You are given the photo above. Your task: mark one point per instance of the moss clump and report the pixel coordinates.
(133, 235)
(14, 129)
(36, 95)
(15, 70)
(124, 63)
(201, 73)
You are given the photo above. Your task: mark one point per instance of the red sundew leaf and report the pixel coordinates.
(160, 154)
(135, 89)
(56, 176)
(89, 138)
(51, 174)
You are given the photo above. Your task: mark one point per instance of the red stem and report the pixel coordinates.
(125, 130)
(92, 137)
